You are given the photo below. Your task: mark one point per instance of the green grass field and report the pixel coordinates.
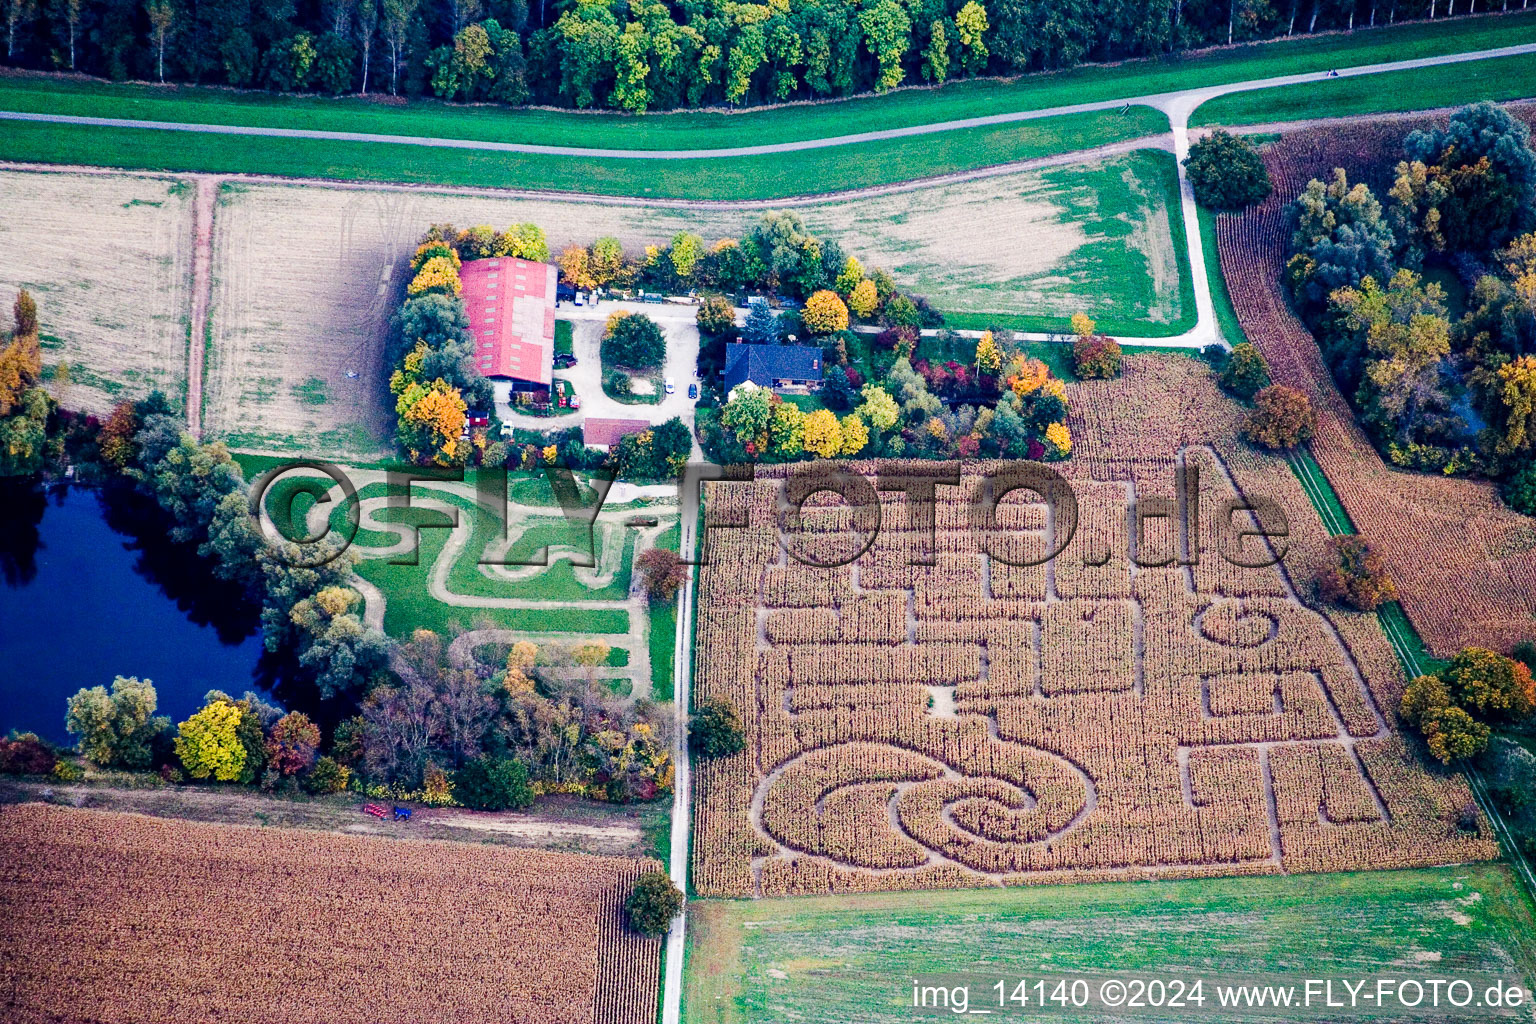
(703, 130)
(854, 958)
(1503, 78)
(1130, 272)
(769, 176)
(661, 635)
(1226, 316)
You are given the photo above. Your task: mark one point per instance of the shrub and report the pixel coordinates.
(619, 384)
(1244, 372)
(825, 313)
(327, 776)
(1082, 324)
(1096, 357)
(1226, 172)
(633, 340)
(903, 312)
(864, 299)
(1520, 490)
(25, 754)
(715, 729)
(653, 903)
(1359, 580)
(1282, 417)
(493, 784)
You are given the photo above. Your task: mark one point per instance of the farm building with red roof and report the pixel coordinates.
(597, 432)
(511, 307)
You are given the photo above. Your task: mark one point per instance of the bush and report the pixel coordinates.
(1282, 418)
(493, 784)
(327, 776)
(1520, 490)
(1096, 357)
(825, 313)
(715, 729)
(1226, 172)
(619, 384)
(653, 903)
(25, 754)
(1359, 579)
(1244, 373)
(633, 340)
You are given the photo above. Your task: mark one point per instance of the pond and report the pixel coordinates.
(91, 588)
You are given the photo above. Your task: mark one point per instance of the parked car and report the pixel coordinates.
(564, 361)
(580, 300)
(693, 391)
(506, 430)
(671, 387)
(575, 401)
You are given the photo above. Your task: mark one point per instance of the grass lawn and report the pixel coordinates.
(698, 130)
(768, 176)
(662, 634)
(1226, 316)
(1503, 78)
(854, 958)
(562, 337)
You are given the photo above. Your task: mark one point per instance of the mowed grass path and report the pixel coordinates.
(770, 176)
(853, 958)
(1499, 79)
(707, 130)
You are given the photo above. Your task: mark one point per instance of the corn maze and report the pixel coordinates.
(1136, 705)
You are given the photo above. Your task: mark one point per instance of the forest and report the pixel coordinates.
(638, 55)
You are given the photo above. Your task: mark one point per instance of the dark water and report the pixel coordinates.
(91, 588)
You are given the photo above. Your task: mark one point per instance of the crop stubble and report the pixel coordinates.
(117, 917)
(1092, 718)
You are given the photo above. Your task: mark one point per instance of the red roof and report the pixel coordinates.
(601, 433)
(511, 306)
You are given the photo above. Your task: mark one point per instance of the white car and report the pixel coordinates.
(506, 430)
(671, 387)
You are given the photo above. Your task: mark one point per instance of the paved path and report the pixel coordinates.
(1186, 99)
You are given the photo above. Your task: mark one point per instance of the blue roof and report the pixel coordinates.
(764, 364)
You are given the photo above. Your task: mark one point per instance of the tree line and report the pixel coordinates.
(642, 54)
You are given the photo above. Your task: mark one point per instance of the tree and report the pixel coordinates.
(825, 313)
(17, 13)
(432, 419)
(116, 729)
(493, 784)
(1358, 579)
(970, 26)
(879, 410)
(864, 299)
(989, 358)
(684, 254)
(1083, 325)
(1340, 239)
(1451, 733)
(26, 755)
(327, 776)
(822, 434)
(1096, 357)
(209, 745)
(936, 53)
(663, 573)
(398, 16)
(851, 276)
(715, 316)
(1520, 490)
(24, 313)
(746, 414)
(367, 30)
(761, 327)
(292, 744)
(855, 435)
(1491, 685)
(1226, 172)
(836, 391)
(1245, 373)
(1282, 418)
(1497, 199)
(652, 904)
(162, 16)
(887, 34)
(633, 341)
(715, 730)
(519, 660)
(1517, 397)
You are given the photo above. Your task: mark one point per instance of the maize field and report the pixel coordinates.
(1136, 705)
(117, 917)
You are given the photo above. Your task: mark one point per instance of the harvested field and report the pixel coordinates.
(1112, 713)
(1464, 563)
(113, 917)
(109, 259)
